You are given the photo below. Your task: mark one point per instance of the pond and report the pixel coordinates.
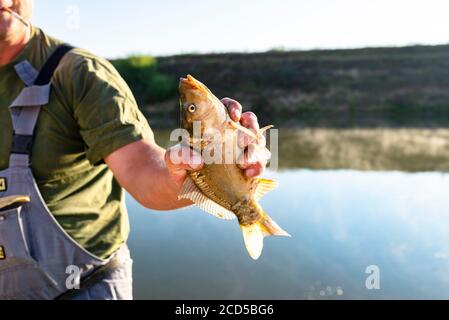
(359, 204)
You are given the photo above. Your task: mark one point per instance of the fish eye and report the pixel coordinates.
(192, 108)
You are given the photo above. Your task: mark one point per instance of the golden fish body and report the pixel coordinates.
(222, 189)
(228, 187)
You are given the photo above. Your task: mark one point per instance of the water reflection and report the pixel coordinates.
(342, 221)
(411, 150)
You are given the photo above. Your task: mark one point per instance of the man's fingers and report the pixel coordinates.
(250, 167)
(254, 160)
(183, 158)
(255, 170)
(249, 120)
(254, 154)
(234, 108)
(244, 140)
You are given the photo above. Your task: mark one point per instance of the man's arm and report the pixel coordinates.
(141, 170)
(146, 171)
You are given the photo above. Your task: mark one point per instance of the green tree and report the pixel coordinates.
(147, 84)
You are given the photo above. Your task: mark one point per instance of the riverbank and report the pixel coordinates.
(372, 87)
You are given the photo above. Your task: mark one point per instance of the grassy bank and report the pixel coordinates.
(387, 87)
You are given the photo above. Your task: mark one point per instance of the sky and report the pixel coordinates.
(114, 28)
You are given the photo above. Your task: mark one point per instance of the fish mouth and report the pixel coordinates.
(189, 82)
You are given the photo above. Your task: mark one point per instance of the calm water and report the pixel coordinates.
(342, 220)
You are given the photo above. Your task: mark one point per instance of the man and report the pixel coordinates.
(63, 199)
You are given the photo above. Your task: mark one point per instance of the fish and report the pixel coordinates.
(221, 188)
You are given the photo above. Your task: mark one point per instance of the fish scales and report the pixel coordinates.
(222, 189)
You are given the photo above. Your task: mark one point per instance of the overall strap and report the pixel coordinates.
(26, 72)
(26, 107)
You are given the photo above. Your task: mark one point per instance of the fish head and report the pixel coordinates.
(199, 105)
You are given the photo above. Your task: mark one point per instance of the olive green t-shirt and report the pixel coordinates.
(91, 113)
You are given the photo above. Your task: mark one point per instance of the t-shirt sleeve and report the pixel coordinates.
(104, 107)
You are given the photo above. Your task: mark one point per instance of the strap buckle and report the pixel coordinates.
(21, 144)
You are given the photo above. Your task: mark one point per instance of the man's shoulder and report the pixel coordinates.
(80, 60)
(81, 72)
(84, 69)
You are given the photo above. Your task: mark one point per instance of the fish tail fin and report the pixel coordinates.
(254, 234)
(271, 228)
(253, 237)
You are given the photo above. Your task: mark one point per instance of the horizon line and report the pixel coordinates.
(279, 49)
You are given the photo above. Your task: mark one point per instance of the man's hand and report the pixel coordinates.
(148, 173)
(191, 160)
(253, 164)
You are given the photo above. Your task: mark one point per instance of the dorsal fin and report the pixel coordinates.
(241, 128)
(256, 136)
(265, 129)
(264, 186)
(192, 192)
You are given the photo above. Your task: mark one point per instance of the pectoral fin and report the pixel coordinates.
(241, 128)
(257, 136)
(264, 186)
(192, 192)
(264, 129)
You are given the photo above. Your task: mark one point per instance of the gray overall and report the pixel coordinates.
(38, 259)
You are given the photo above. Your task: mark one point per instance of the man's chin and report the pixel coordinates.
(6, 29)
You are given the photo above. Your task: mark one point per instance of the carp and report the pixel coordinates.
(221, 188)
